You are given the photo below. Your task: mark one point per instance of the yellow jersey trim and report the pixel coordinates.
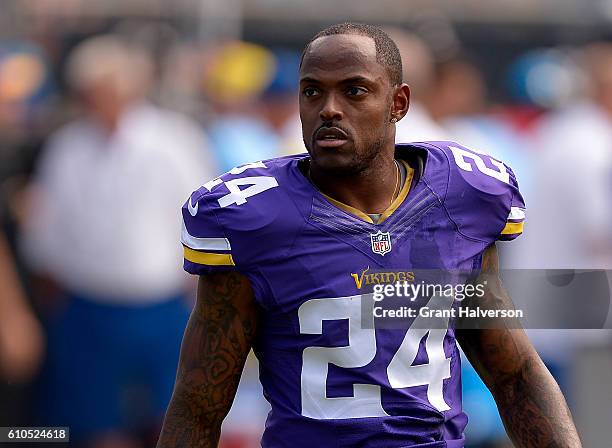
(349, 209)
(402, 194)
(512, 228)
(389, 211)
(207, 258)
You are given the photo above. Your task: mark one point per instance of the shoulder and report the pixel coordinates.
(72, 134)
(246, 184)
(259, 202)
(479, 192)
(241, 186)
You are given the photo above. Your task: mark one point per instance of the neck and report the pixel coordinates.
(370, 190)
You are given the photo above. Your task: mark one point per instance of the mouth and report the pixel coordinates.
(330, 137)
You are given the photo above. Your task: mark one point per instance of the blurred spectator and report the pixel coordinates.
(104, 225)
(25, 90)
(458, 90)
(280, 105)
(238, 74)
(419, 73)
(575, 146)
(569, 228)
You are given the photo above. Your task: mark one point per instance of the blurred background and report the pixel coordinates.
(112, 112)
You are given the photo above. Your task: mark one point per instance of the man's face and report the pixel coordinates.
(346, 99)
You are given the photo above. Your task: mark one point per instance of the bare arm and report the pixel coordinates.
(529, 400)
(215, 346)
(21, 336)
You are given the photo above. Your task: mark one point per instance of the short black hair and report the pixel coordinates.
(387, 52)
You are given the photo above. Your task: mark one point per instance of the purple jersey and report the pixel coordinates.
(331, 380)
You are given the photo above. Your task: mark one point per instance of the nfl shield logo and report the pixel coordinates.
(381, 242)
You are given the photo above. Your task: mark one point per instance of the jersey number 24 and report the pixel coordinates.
(360, 351)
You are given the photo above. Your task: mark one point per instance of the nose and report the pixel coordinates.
(330, 109)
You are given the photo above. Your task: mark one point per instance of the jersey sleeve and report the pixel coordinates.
(513, 226)
(206, 247)
(242, 221)
(483, 197)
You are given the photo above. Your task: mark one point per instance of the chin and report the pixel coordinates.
(334, 161)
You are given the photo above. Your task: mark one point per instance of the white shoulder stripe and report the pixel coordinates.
(516, 213)
(203, 243)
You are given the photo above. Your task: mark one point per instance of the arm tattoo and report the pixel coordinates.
(215, 346)
(529, 400)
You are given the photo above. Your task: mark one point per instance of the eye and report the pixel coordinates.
(356, 91)
(310, 92)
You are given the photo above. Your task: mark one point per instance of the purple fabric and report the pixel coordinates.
(295, 246)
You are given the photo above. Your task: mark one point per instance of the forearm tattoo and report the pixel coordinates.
(215, 346)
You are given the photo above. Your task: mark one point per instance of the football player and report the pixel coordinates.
(275, 244)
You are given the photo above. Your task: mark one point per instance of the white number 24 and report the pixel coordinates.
(360, 351)
(255, 185)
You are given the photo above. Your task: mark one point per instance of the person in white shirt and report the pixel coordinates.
(571, 224)
(103, 225)
(575, 151)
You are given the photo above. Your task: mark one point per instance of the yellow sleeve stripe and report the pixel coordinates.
(513, 228)
(207, 258)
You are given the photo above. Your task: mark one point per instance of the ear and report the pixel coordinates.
(401, 102)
